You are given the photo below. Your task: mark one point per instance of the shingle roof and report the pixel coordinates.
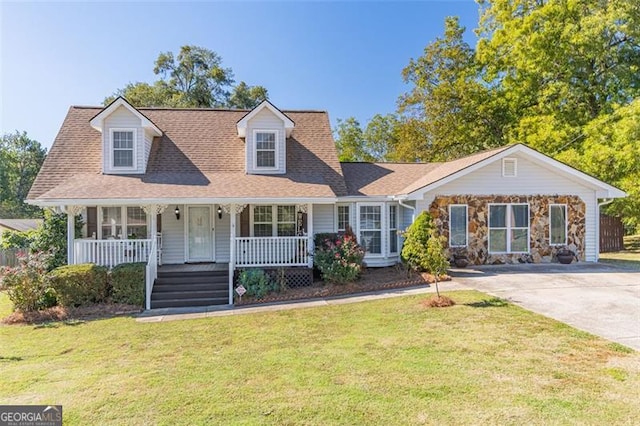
(199, 155)
(378, 179)
(20, 224)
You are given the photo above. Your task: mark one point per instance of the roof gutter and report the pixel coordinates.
(407, 206)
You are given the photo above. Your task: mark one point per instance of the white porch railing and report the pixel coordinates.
(111, 252)
(272, 251)
(151, 273)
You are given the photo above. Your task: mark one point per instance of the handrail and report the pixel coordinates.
(151, 273)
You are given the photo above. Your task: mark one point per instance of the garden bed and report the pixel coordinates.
(372, 279)
(60, 313)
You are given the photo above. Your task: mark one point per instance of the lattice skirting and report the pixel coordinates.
(292, 277)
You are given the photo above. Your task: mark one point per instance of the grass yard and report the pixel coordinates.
(381, 362)
(629, 258)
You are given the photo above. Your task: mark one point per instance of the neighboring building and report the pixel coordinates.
(19, 225)
(251, 188)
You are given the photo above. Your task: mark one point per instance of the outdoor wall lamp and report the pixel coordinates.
(219, 212)
(177, 212)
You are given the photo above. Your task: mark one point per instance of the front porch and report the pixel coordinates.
(221, 236)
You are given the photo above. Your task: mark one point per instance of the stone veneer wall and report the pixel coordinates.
(478, 215)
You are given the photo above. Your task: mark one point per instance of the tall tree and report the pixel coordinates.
(20, 161)
(244, 96)
(450, 110)
(195, 78)
(373, 143)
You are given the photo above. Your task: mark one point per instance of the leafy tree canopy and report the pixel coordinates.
(195, 78)
(20, 161)
(373, 143)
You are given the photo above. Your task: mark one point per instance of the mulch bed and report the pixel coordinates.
(371, 280)
(60, 313)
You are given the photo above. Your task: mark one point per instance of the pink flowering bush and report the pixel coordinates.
(339, 258)
(26, 284)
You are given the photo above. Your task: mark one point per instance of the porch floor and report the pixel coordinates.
(194, 267)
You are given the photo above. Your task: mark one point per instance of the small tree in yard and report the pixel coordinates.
(435, 260)
(416, 237)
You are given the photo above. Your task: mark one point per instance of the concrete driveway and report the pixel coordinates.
(601, 299)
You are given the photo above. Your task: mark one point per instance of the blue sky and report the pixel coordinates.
(343, 57)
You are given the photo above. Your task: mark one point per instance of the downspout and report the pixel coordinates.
(407, 206)
(603, 203)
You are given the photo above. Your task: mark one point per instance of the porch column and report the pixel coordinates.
(153, 210)
(71, 212)
(310, 233)
(232, 210)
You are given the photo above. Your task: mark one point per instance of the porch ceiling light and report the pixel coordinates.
(219, 212)
(177, 212)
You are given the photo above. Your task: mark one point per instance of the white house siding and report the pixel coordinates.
(148, 140)
(323, 218)
(532, 179)
(223, 235)
(266, 120)
(173, 236)
(122, 118)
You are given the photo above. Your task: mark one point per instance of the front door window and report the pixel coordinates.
(200, 238)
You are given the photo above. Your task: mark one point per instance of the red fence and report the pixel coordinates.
(611, 233)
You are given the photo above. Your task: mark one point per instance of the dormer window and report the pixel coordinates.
(265, 157)
(123, 142)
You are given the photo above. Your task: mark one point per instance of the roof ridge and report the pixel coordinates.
(199, 109)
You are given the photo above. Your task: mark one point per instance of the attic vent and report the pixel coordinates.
(509, 167)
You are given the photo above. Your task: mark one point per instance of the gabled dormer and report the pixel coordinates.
(126, 138)
(265, 130)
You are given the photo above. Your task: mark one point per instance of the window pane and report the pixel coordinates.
(371, 241)
(266, 159)
(558, 225)
(111, 222)
(519, 240)
(393, 241)
(122, 158)
(370, 217)
(262, 230)
(393, 217)
(497, 216)
(458, 225)
(286, 213)
(123, 140)
(136, 223)
(286, 229)
(262, 214)
(520, 216)
(343, 217)
(497, 240)
(265, 140)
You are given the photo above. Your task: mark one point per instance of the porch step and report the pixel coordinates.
(175, 288)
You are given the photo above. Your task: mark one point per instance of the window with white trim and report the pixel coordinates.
(286, 221)
(343, 217)
(265, 157)
(509, 167)
(393, 229)
(508, 228)
(458, 225)
(136, 223)
(111, 222)
(262, 221)
(270, 221)
(557, 224)
(371, 229)
(123, 148)
(123, 223)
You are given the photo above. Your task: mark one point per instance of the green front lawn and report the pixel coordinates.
(381, 362)
(629, 257)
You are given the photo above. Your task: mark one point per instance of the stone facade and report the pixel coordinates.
(540, 250)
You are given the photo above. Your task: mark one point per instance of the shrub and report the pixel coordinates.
(322, 239)
(257, 283)
(26, 285)
(17, 239)
(128, 284)
(339, 260)
(416, 237)
(77, 285)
